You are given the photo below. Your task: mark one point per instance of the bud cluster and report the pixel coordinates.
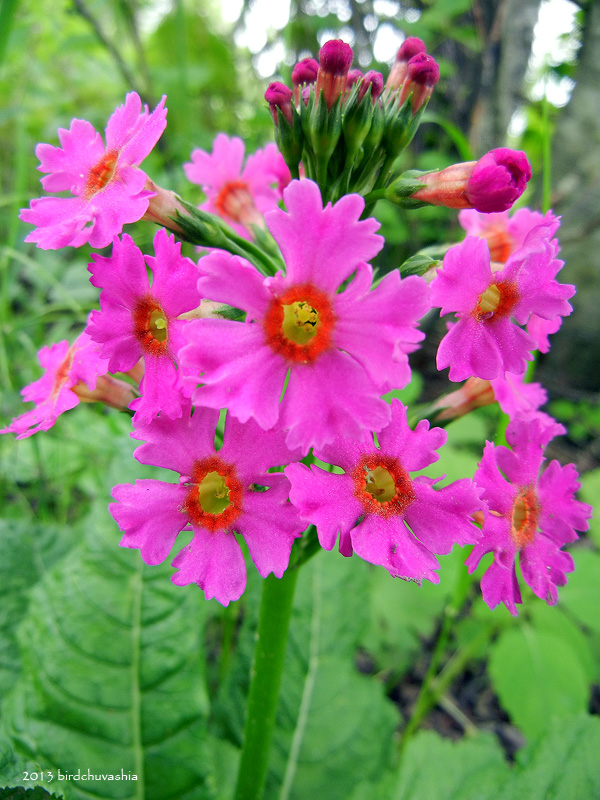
(345, 129)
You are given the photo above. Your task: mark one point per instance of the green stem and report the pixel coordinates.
(265, 683)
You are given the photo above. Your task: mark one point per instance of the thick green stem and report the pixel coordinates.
(265, 683)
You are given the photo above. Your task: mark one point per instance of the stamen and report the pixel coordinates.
(101, 174)
(497, 301)
(214, 499)
(298, 324)
(524, 518)
(382, 485)
(150, 325)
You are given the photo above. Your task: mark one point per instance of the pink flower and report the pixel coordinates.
(380, 512)
(105, 179)
(69, 369)
(239, 196)
(138, 320)
(485, 342)
(217, 495)
(341, 350)
(528, 514)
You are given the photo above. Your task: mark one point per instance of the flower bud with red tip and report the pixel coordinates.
(353, 77)
(491, 184)
(422, 75)
(410, 47)
(374, 81)
(279, 97)
(304, 74)
(335, 58)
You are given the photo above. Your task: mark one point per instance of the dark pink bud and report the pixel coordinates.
(375, 81)
(305, 72)
(498, 179)
(422, 74)
(279, 96)
(410, 47)
(335, 58)
(353, 76)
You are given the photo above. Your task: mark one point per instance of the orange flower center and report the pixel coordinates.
(214, 498)
(298, 324)
(499, 242)
(235, 201)
(150, 326)
(101, 174)
(382, 485)
(497, 301)
(62, 373)
(524, 518)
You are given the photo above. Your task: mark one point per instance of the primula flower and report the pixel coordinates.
(138, 320)
(105, 179)
(380, 512)
(341, 350)
(238, 195)
(410, 47)
(529, 514)
(217, 495)
(71, 370)
(506, 233)
(485, 342)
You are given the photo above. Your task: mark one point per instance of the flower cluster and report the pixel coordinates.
(260, 373)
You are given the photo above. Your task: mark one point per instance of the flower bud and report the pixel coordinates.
(422, 74)
(474, 393)
(110, 391)
(353, 77)
(279, 97)
(164, 207)
(410, 47)
(335, 58)
(491, 184)
(304, 74)
(374, 81)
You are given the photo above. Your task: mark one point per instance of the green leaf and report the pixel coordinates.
(432, 767)
(538, 677)
(589, 493)
(580, 596)
(113, 677)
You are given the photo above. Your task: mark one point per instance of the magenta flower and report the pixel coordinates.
(380, 512)
(105, 179)
(485, 342)
(505, 232)
(528, 514)
(238, 195)
(341, 350)
(137, 320)
(69, 369)
(217, 495)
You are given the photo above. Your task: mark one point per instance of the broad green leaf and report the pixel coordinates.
(559, 621)
(563, 765)
(432, 767)
(580, 596)
(538, 677)
(113, 677)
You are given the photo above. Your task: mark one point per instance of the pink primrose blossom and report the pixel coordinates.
(240, 196)
(380, 512)
(216, 496)
(484, 341)
(528, 514)
(341, 350)
(138, 320)
(498, 179)
(106, 181)
(68, 368)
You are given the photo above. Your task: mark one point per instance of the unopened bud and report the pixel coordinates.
(474, 393)
(164, 207)
(279, 98)
(410, 47)
(491, 184)
(374, 81)
(304, 74)
(353, 77)
(335, 58)
(110, 391)
(422, 75)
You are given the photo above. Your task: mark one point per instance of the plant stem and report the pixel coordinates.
(265, 683)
